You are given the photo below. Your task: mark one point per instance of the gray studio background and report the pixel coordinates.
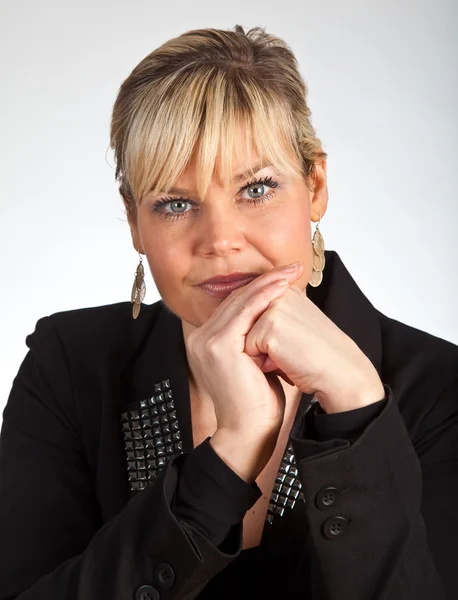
(383, 81)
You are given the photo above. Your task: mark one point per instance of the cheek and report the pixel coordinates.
(288, 233)
(287, 238)
(168, 262)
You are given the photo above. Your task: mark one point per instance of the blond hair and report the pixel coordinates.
(206, 94)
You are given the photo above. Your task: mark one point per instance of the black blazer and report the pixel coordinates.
(85, 508)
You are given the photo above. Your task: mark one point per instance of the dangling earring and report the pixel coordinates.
(318, 260)
(138, 289)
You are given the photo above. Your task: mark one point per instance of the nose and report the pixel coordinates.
(221, 229)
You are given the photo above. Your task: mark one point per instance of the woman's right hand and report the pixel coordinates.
(249, 404)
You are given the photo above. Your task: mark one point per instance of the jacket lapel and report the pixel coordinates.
(340, 298)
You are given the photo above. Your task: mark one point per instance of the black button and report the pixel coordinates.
(327, 497)
(147, 592)
(335, 527)
(165, 576)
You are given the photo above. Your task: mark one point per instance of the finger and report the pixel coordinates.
(268, 364)
(283, 375)
(241, 321)
(239, 299)
(289, 271)
(259, 360)
(277, 387)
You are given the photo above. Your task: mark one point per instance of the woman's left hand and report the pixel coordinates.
(294, 338)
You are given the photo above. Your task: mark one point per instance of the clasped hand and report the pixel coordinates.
(263, 331)
(296, 340)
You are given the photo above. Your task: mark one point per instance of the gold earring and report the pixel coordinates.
(138, 289)
(318, 260)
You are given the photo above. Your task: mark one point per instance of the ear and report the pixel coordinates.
(133, 229)
(319, 195)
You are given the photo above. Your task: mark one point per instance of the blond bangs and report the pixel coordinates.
(207, 97)
(211, 117)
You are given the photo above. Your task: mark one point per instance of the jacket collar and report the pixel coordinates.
(162, 354)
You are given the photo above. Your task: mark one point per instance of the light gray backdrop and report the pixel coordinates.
(383, 91)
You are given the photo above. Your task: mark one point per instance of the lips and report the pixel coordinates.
(221, 290)
(234, 276)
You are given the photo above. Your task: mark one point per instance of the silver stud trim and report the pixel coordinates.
(287, 487)
(151, 436)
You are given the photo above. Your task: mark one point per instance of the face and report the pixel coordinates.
(190, 239)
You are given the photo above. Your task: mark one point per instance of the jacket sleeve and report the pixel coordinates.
(213, 498)
(381, 510)
(347, 425)
(53, 544)
(210, 495)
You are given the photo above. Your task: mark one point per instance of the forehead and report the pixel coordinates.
(240, 172)
(236, 154)
(241, 159)
(186, 185)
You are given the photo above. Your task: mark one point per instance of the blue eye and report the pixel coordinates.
(159, 205)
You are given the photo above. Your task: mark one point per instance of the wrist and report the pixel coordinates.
(352, 398)
(244, 454)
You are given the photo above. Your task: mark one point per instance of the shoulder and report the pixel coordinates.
(71, 356)
(422, 370)
(407, 348)
(85, 333)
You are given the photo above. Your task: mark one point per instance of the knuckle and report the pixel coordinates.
(273, 306)
(194, 346)
(269, 289)
(244, 309)
(190, 346)
(192, 340)
(213, 346)
(270, 334)
(193, 353)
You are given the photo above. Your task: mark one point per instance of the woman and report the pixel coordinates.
(269, 434)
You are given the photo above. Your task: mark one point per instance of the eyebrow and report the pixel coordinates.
(236, 179)
(246, 173)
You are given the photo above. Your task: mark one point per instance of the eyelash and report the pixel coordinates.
(158, 205)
